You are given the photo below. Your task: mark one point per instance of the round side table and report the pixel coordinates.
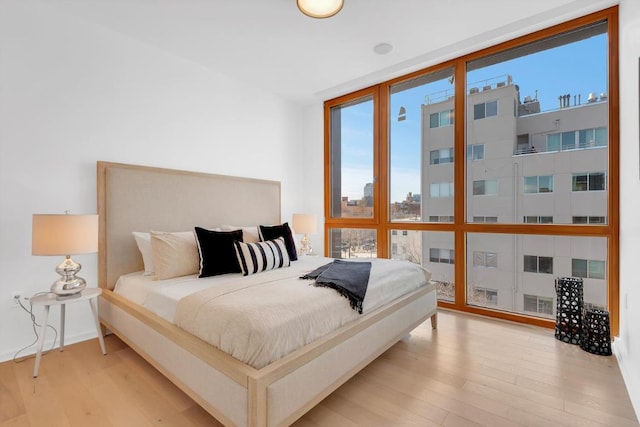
(47, 300)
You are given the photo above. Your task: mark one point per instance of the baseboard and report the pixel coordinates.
(630, 373)
(31, 350)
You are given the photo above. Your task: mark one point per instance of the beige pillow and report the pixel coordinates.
(249, 233)
(174, 254)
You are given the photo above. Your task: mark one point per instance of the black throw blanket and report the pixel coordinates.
(349, 279)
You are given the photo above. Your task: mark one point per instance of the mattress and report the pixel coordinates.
(263, 317)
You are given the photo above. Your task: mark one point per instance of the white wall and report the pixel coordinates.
(314, 169)
(627, 347)
(72, 93)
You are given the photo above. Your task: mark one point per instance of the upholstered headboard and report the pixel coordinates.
(138, 198)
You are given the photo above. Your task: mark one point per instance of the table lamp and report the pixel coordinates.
(66, 235)
(305, 224)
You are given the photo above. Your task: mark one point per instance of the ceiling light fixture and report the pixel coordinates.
(320, 8)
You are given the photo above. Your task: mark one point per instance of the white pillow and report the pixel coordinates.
(143, 240)
(249, 233)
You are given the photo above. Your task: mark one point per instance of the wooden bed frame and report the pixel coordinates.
(136, 198)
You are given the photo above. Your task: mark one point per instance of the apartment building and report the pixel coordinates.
(523, 165)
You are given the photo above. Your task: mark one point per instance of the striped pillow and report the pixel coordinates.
(262, 256)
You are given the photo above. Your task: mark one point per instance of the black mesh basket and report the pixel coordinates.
(596, 332)
(569, 305)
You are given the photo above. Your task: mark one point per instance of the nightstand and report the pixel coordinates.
(48, 300)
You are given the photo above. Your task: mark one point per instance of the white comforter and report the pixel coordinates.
(261, 318)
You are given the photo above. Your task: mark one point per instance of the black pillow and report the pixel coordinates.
(217, 251)
(272, 232)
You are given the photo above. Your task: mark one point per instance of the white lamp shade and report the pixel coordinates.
(320, 8)
(64, 234)
(305, 223)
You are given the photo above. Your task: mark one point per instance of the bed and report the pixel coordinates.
(133, 198)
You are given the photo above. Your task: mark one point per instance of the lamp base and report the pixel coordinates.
(64, 289)
(306, 248)
(69, 283)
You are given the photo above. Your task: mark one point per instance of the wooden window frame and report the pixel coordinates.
(460, 228)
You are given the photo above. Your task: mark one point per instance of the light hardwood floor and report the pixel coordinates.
(471, 371)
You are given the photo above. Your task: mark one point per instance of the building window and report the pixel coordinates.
(485, 109)
(487, 187)
(440, 218)
(485, 259)
(441, 189)
(538, 264)
(404, 232)
(475, 151)
(394, 232)
(596, 137)
(444, 155)
(592, 269)
(538, 184)
(394, 248)
(580, 139)
(568, 140)
(443, 256)
(538, 220)
(591, 181)
(537, 304)
(441, 118)
(589, 219)
(487, 219)
(553, 142)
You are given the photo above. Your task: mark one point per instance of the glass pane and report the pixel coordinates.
(353, 243)
(553, 142)
(492, 260)
(492, 108)
(434, 120)
(530, 184)
(579, 267)
(601, 137)
(434, 251)
(434, 157)
(545, 265)
(596, 269)
(568, 140)
(352, 159)
(478, 188)
(530, 263)
(526, 267)
(478, 259)
(556, 134)
(580, 182)
(545, 184)
(421, 148)
(596, 181)
(478, 111)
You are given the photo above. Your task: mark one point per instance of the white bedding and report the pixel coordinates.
(260, 318)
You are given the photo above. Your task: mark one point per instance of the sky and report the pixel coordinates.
(576, 68)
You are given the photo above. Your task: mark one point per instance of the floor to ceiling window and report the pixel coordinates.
(496, 171)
